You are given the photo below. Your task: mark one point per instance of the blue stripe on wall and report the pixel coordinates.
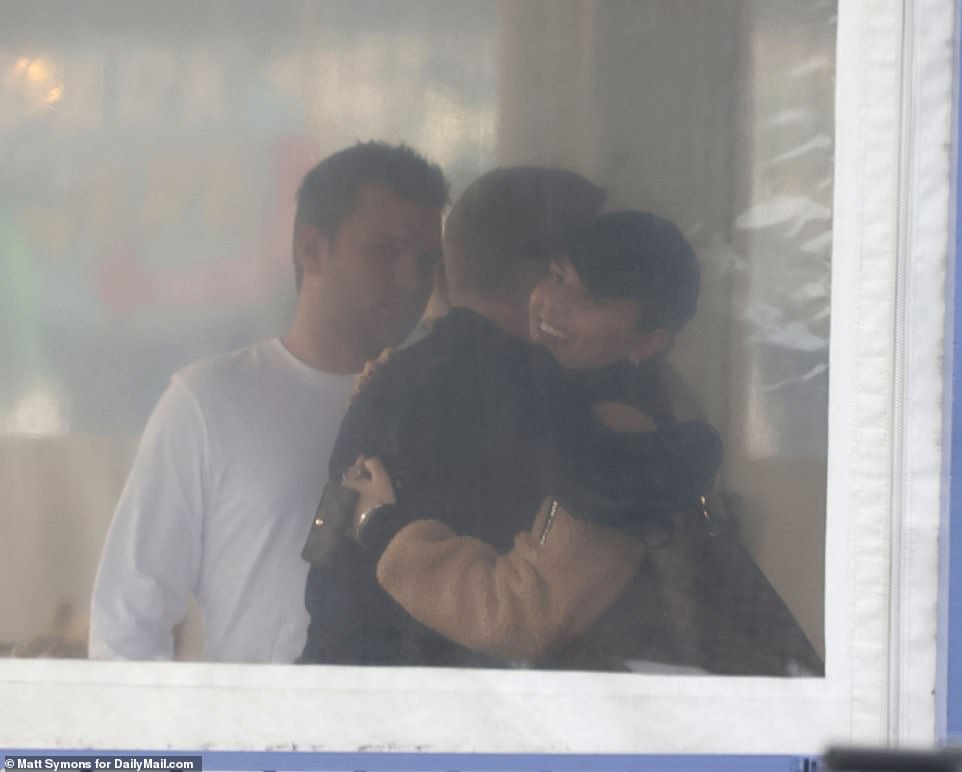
(949, 679)
(288, 761)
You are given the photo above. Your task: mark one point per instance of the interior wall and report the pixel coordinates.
(58, 496)
(782, 231)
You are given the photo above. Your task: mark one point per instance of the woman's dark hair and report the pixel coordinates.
(638, 256)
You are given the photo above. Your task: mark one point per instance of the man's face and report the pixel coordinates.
(378, 271)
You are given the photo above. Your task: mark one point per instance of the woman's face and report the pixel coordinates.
(584, 332)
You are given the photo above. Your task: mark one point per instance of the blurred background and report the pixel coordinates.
(149, 156)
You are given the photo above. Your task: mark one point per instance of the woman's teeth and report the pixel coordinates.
(554, 332)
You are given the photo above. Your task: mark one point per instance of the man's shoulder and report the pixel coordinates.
(466, 362)
(414, 363)
(437, 369)
(228, 369)
(460, 341)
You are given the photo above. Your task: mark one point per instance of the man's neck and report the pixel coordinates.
(319, 345)
(438, 306)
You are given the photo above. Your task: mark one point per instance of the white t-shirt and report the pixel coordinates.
(219, 502)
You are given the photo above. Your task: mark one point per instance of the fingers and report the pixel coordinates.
(365, 474)
(359, 484)
(381, 485)
(375, 469)
(356, 471)
(370, 478)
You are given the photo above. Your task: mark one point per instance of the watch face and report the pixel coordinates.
(362, 522)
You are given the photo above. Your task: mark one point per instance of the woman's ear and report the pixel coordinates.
(311, 248)
(650, 343)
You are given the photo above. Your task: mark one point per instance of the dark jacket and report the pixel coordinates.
(475, 428)
(458, 422)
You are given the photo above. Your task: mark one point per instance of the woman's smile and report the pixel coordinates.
(544, 326)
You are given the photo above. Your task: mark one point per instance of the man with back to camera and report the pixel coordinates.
(459, 388)
(457, 401)
(227, 475)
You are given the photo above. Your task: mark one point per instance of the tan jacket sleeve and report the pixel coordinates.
(514, 606)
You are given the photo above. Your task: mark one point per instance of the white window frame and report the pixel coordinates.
(895, 68)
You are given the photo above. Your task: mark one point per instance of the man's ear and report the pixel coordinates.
(311, 248)
(650, 343)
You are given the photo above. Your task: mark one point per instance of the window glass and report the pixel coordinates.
(151, 154)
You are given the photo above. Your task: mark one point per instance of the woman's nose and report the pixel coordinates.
(554, 301)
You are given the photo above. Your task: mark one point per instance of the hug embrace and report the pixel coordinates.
(537, 499)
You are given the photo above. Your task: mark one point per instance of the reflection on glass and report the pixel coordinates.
(147, 199)
(36, 413)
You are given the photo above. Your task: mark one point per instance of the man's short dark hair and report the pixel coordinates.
(508, 217)
(638, 256)
(329, 190)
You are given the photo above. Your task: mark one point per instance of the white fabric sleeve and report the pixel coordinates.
(151, 558)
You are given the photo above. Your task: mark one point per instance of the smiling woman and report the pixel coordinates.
(146, 211)
(642, 287)
(583, 331)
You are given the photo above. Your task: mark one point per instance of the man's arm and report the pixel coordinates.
(151, 558)
(514, 606)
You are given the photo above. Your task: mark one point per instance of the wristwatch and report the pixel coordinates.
(366, 517)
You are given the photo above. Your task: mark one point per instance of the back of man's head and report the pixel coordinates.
(328, 192)
(501, 232)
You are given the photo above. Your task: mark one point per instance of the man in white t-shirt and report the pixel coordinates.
(232, 462)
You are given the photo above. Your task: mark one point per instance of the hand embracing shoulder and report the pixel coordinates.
(371, 367)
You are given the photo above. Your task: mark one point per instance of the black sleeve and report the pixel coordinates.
(623, 479)
(373, 422)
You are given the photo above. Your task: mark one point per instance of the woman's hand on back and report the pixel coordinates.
(373, 483)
